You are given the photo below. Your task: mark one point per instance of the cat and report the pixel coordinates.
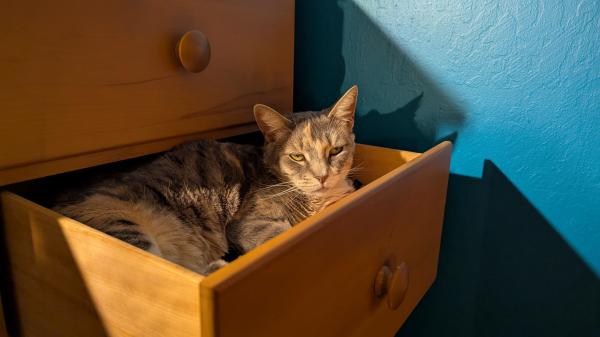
(199, 200)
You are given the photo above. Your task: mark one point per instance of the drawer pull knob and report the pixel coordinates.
(382, 280)
(392, 282)
(194, 51)
(398, 286)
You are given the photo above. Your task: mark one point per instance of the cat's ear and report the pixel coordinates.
(272, 124)
(345, 107)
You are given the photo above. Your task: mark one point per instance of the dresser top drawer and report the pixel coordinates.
(83, 78)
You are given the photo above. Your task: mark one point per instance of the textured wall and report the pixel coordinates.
(516, 85)
(525, 76)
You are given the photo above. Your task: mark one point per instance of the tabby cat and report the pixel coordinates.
(200, 200)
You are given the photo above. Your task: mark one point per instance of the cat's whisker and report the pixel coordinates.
(285, 183)
(289, 190)
(359, 169)
(274, 186)
(358, 166)
(296, 206)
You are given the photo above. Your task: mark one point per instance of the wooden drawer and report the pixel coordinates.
(317, 279)
(88, 78)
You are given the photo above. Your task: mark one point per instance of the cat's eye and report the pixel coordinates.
(297, 156)
(335, 150)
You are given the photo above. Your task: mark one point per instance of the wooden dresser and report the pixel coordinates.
(88, 83)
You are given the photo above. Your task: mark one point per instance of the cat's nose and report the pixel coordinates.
(322, 179)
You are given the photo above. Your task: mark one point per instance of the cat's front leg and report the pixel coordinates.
(246, 234)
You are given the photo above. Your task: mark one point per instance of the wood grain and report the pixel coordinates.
(81, 77)
(85, 160)
(71, 280)
(372, 162)
(317, 279)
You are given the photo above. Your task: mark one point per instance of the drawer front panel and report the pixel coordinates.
(79, 77)
(318, 279)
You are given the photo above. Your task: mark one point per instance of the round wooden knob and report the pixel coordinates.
(398, 286)
(194, 51)
(382, 281)
(392, 282)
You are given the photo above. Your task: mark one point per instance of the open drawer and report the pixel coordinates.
(358, 268)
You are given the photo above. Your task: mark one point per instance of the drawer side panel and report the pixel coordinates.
(71, 280)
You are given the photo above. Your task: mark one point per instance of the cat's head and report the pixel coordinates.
(311, 150)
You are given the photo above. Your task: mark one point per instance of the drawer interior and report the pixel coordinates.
(60, 267)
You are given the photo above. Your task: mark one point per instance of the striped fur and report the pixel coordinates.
(202, 199)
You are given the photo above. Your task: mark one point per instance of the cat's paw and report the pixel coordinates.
(214, 266)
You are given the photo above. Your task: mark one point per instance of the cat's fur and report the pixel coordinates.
(199, 200)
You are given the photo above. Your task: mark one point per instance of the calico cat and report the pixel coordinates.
(200, 200)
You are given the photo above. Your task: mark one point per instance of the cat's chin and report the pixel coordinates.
(332, 187)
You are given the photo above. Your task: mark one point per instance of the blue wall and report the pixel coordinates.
(516, 86)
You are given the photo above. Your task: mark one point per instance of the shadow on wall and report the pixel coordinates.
(503, 270)
(398, 127)
(396, 97)
(318, 62)
(532, 282)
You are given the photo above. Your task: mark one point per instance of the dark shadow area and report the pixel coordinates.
(7, 289)
(318, 63)
(533, 283)
(402, 120)
(504, 270)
